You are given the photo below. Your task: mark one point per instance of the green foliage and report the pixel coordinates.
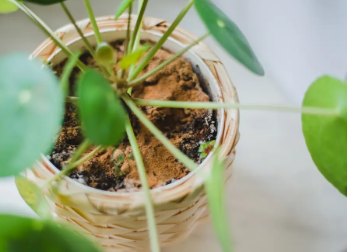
(101, 111)
(206, 148)
(133, 57)
(326, 136)
(122, 7)
(105, 54)
(7, 7)
(228, 35)
(44, 2)
(119, 161)
(33, 196)
(215, 195)
(22, 234)
(31, 108)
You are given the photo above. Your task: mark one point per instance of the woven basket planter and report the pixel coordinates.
(118, 220)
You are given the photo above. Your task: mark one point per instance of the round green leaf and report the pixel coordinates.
(326, 136)
(7, 7)
(33, 196)
(101, 111)
(44, 2)
(228, 35)
(20, 234)
(105, 54)
(31, 109)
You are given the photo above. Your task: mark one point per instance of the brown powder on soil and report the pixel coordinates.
(114, 169)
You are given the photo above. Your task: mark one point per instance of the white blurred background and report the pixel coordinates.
(277, 200)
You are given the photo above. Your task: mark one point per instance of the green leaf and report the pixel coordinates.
(44, 2)
(122, 7)
(101, 111)
(215, 195)
(21, 234)
(33, 196)
(31, 110)
(133, 57)
(7, 7)
(228, 35)
(105, 54)
(326, 136)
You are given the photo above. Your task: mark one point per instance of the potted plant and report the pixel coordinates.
(140, 152)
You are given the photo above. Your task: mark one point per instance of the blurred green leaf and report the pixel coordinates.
(44, 2)
(228, 35)
(21, 234)
(215, 195)
(7, 7)
(31, 110)
(33, 196)
(122, 7)
(101, 111)
(326, 136)
(133, 57)
(105, 54)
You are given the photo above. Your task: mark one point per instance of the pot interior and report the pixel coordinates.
(207, 80)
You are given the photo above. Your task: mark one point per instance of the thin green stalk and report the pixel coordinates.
(84, 39)
(159, 135)
(65, 77)
(93, 21)
(138, 24)
(167, 62)
(46, 30)
(219, 105)
(138, 35)
(160, 43)
(127, 41)
(137, 40)
(86, 157)
(78, 29)
(79, 152)
(152, 227)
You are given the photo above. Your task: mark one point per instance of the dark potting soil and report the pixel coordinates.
(114, 168)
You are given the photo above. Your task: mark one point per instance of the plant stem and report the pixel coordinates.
(79, 152)
(86, 157)
(73, 22)
(160, 43)
(167, 62)
(152, 227)
(158, 134)
(127, 41)
(65, 77)
(105, 71)
(137, 40)
(137, 29)
(219, 105)
(46, 30)
(93, 21)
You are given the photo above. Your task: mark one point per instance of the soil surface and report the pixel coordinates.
(114, 168)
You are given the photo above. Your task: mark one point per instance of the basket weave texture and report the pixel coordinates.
(118, 220)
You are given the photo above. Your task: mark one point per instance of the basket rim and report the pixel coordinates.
(44, 160)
